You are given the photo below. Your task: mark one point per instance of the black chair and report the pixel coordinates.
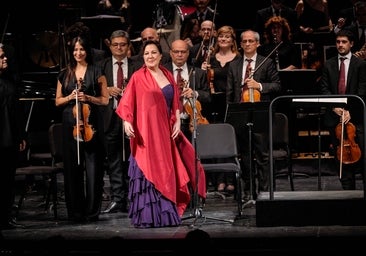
(281, 148)
(48, 172)
(217, 150)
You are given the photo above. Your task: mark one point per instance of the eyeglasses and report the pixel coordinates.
(251, 41)
(115, 45)
(177, 51)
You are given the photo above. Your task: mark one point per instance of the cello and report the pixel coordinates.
(348, 152)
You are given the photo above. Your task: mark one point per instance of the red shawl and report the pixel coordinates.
(168, 164)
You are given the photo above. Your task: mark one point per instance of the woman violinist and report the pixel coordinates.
(354, 84)
(224, 52)
(81, 88)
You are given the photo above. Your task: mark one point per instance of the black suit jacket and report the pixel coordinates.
(200, 82)
(267, 75)
(107, 67)
(209, 16)
(356, 85)
(357, 43)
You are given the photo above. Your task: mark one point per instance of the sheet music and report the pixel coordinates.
(321, 100)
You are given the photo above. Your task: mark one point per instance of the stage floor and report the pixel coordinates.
(217, 229)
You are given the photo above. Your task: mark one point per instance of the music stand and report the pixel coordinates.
(248, 118)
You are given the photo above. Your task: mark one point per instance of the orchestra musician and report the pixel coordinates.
(117, 145)
(265, 80)
(179, 54)
(200, 51)
(81, 89)
(355, 84)
(12, 134)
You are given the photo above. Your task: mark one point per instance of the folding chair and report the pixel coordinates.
(217, 150)
(48, 171)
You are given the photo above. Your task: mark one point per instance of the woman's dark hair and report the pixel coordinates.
(85, 43)
(346, 33)
(148, 42)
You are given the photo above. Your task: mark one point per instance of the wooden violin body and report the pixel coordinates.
(348, 152)
(251, 95)
(199, 118)
(83, 131)
(188, 107)
(210, 79)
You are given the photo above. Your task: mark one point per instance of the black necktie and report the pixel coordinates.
(200, 17)
(342, 77)
(362, 37)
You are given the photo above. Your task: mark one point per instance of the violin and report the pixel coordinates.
(348, 152)
(251, 94)
(210, 78)
(83, 131)
(188, 107)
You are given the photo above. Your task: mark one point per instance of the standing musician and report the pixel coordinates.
(203, 12)
(117, 145)
(201, 51)
(355, 84)
(179, 54)
(81, 89)
(224, 52)
(12, 134)
(265, 80)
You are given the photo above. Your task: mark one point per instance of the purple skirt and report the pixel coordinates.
(148, 207)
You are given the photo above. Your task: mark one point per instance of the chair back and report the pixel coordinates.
(280, 130)
(217, 140)
(55, 141)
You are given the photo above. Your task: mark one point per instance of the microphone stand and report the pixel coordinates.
(276, 47)
(251, 202)
(197, 212)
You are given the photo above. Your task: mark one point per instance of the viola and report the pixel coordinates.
(348, 152)
(83, 131)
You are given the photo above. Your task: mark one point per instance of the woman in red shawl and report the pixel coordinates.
(162, 161)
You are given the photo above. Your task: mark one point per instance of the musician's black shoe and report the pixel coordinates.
(115, 207)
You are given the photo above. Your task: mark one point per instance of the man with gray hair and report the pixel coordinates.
(117, 68)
